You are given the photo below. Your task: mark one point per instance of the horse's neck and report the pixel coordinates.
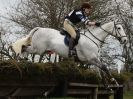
(99, 33)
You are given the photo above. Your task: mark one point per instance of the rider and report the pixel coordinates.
(74, 17)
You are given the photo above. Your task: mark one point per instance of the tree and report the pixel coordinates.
(126, 15)
(4, 52)
(48, 13)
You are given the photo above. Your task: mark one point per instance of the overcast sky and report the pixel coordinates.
(5, 4)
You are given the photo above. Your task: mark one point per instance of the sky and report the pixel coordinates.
(5, 4)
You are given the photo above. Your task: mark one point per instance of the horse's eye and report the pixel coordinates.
(118, 28)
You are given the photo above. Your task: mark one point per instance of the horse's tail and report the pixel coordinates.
(31, 34)
(33, 31)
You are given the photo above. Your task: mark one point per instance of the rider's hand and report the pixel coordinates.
(98, 24)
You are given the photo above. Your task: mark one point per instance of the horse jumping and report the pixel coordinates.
(43, 39)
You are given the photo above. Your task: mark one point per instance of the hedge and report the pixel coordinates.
(13, 71)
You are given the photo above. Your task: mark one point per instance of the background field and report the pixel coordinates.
(127, 95)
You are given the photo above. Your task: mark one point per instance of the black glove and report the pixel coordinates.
(98, 24)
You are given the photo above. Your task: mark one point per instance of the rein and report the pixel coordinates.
(114, 29)
(109, 33)
(89, 38)
(95, 36)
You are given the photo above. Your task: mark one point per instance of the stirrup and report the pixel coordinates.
(72, 53)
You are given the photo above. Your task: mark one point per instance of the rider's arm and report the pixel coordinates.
(86, 20)
(93, 23)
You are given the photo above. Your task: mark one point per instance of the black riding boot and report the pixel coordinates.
(71, 47)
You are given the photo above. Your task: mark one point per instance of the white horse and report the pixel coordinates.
(43, 39)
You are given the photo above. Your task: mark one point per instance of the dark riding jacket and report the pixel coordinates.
(76, 16)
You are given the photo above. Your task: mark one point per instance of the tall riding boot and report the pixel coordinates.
(71, 47)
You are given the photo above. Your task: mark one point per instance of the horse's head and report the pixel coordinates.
(117, 31)
(120, 33)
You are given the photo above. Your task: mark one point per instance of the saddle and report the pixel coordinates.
(67, 37)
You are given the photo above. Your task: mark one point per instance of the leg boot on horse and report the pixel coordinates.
(105, 73)
(105, 82)
(112, 79)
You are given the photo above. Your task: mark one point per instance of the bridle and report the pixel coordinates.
(116, 31)
(108, 33)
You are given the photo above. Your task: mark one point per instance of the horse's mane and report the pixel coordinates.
(95, 27)
(90, 28)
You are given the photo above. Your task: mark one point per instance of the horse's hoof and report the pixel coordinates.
(114, 80)
(110, 91)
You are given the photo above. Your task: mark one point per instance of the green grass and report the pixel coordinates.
(59, 98)
(127, 95)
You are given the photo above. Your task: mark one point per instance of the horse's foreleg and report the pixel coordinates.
(104, 81)
(105, 69)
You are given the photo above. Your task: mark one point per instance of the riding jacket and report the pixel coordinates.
(76, 16)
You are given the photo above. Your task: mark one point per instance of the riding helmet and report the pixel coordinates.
(86, 5)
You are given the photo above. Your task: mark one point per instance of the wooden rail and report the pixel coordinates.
(93, 91)
(61, 89)
(30, 90)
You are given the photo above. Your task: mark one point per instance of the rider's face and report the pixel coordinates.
(87, 11)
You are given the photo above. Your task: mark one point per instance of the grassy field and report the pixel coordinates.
(127, 95)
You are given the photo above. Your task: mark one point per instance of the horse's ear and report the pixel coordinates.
(116, 20)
